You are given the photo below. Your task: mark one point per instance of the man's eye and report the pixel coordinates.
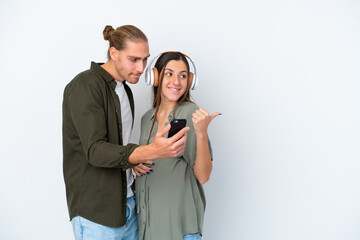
(133, 59)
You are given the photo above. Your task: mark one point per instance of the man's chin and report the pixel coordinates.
(133, 80)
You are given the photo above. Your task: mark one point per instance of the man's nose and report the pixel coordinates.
(140, 66)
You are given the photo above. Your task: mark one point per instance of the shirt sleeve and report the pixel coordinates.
(89, 118)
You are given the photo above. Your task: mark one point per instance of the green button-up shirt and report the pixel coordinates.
(94, 160)
(170, 200)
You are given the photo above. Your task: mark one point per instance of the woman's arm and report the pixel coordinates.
(203, 164)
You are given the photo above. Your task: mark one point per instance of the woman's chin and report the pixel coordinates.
(172, 98)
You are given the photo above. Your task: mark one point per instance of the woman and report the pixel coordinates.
(171, 200)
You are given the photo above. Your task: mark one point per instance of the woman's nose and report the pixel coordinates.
(176, 80)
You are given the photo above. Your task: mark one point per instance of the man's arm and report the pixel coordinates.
(88, 115)
(161, 147)
(85, 110)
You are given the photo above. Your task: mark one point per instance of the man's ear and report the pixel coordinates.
(113, 53)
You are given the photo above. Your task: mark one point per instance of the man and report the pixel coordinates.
(98, 114)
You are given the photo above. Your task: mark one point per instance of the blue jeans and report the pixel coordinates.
(88, 230)
(195, 236)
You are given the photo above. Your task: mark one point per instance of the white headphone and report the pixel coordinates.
(152, 73)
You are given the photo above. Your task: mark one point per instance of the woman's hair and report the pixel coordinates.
(119, 37)
(160, 65)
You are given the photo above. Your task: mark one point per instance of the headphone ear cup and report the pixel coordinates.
(191, 78)
(155, 73)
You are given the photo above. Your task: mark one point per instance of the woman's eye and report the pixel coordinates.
(168, 74)
(183, 76)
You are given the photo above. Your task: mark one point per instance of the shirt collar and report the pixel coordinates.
(103, 73)
(170, 117)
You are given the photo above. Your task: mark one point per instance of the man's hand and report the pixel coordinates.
(161, 147)
(169, 147)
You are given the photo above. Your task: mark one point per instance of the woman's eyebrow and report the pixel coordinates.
(169, 69)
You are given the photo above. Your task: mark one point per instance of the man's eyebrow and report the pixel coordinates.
(136, 58)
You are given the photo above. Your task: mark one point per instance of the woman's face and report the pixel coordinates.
(175, 81)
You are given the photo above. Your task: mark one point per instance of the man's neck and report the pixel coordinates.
(109, 66)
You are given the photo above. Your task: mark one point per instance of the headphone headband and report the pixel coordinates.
(151, 73)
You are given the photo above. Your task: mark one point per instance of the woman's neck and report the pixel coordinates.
(164, 110)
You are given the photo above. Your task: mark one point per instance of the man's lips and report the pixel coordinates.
(136, 75)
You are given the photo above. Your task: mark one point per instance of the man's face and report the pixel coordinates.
(131, 61)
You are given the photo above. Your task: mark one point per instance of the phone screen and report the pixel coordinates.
(176, 126)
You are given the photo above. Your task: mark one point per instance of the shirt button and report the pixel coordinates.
(143, 190)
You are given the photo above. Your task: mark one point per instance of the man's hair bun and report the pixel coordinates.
(108, 31)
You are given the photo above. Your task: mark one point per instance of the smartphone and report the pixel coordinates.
(176, 126)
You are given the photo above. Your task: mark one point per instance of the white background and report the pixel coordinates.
(285, 75)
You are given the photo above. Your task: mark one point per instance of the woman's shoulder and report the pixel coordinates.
(148, 114)
(189, 107)
(186, 110)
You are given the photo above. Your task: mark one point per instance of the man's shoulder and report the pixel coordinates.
(89, 77)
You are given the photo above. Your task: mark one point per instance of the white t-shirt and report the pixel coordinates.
(126, 122)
